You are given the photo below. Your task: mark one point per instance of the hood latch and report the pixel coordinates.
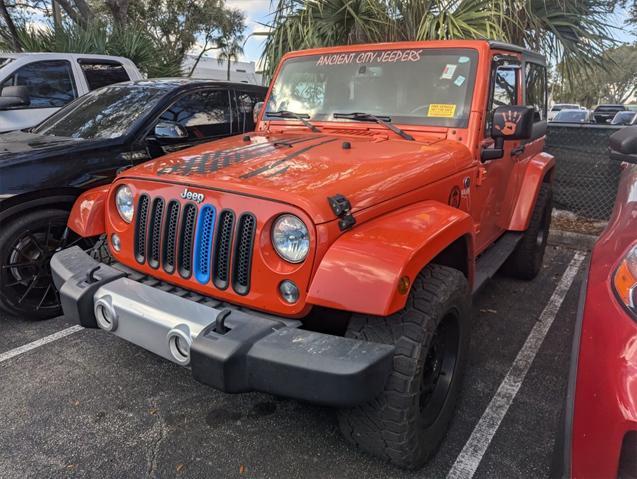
(342, 209)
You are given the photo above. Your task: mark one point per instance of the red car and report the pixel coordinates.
(601, 411)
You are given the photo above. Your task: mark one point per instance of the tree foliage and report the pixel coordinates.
(577, 30)
(155, 34)
(615, 82)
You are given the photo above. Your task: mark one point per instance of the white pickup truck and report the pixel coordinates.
(33, 86)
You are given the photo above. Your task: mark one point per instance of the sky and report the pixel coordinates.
(257, 12)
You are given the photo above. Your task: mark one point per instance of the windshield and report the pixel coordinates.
(109, 112)
(571, 115)
(564, 107)
(410, 86)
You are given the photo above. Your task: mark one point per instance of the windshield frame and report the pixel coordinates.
(423, 121)
(159, 96)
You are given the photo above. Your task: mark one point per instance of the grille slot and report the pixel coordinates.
(170, 236)
(186, 239)
(203, 243)
(140, 228)
(154, 230)
(223, 245)
(244, 242)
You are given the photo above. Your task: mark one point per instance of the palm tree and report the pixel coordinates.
(576, 30)
(133, 42)
(229, 50)
(230, 42)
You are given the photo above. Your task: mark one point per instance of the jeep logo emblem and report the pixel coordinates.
(189, 195)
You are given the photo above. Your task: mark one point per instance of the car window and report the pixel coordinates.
(50, 83)
(571, 116)
(245, 108)
(204, 114)
(504, 90)
(99, 74)
(536, 90)
(109, 112)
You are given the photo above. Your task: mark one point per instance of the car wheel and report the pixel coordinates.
(526, 260)
(26, 246)
(407, 422)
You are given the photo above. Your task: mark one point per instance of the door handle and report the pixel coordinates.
(517, 151)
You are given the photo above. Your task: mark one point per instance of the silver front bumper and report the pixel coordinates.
(161, 323)
(227, 348)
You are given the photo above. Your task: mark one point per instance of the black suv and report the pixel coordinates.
(85, 144)
(604, 114)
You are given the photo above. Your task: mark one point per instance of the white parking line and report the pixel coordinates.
(471, 455)
(40, 342)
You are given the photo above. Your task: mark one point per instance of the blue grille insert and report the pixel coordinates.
(203, 243)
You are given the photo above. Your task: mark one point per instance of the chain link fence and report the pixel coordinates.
(586, 179)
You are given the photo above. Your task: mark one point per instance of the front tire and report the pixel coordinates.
(26, 246)
(407, 422)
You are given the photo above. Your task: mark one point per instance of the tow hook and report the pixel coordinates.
(220, 322)
(342, 209)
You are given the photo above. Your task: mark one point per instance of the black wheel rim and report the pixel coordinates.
(25, 272)
(439, 368)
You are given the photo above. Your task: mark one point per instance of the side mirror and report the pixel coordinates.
(166, 130)
(509, 123)
(14, 96)
(622, 145)
(256, 110)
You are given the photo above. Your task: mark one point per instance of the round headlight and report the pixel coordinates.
(290, 238)
(124, 203)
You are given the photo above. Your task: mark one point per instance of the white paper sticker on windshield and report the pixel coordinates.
(447, 73)
(463, 59)
(459, 80)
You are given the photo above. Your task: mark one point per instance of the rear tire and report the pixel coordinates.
(407, 422)
(526, 260)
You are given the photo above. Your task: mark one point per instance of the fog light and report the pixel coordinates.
(116, 242)
(289, 291)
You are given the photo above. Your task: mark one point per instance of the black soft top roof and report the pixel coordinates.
(530, 55)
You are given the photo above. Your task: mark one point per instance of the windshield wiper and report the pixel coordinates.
(302, 117)
(381, 120)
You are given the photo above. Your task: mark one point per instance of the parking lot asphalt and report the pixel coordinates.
(91, 405)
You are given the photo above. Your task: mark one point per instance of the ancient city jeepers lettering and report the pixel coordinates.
(380, 56)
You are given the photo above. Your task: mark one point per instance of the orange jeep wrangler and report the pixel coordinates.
(331, 255)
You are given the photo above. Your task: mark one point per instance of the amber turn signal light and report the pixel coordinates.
(625, 280)
(403, 285)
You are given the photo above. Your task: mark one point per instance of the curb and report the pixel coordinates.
(569, 239)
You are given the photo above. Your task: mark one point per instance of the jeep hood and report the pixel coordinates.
(304, 170)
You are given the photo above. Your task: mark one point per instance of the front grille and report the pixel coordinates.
(195, 242)
(170, 236)
(154, 231)
(203, 243)
(243, 253)
(186, 239)
(223, 248)
(140, 228)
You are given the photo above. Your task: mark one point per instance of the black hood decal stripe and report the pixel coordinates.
(216, 160)
(291, 156)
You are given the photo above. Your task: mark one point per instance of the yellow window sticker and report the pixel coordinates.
(442, 110)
